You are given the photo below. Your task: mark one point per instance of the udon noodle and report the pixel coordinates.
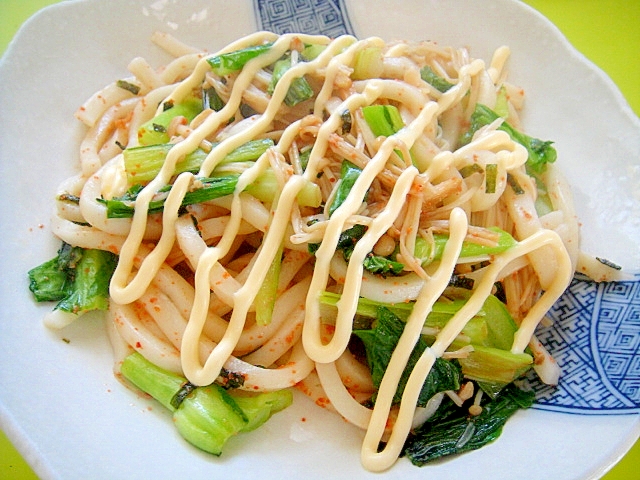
(188, 290)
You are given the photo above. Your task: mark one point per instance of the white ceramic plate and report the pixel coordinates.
(59, 401)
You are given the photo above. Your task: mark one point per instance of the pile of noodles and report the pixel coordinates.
(183, 293)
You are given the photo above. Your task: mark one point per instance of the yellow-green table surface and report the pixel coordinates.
(605, 31)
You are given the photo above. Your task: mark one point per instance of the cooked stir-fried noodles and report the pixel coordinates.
(349, 172)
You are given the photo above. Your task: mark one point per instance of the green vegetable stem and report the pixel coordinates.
(209, 188)
(154, 131)
(143, 163)
(231, 62)
(207, 416)
(299, 89)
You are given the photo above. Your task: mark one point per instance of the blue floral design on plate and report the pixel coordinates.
(320, 17)
(595, 335)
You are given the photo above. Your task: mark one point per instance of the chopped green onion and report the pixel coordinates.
(513, 183)
(470, 169)
(128, 86)
(491, 174)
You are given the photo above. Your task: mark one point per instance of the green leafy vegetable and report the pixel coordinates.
(440, 313)
(77, 278)
(384, 121)
(348, 239)
(305, 154)
(259, 408)
(143, 163)
(349, 173)
(211, 99)
(209, 416)
(380, 343)
(540, 152)
(231, 62)
(382, 265)
(372, 263)
(53, 280)
(453, 431)
(266, 185)
(490, 332)
(91, 284)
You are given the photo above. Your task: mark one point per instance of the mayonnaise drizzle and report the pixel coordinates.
(430, 292)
